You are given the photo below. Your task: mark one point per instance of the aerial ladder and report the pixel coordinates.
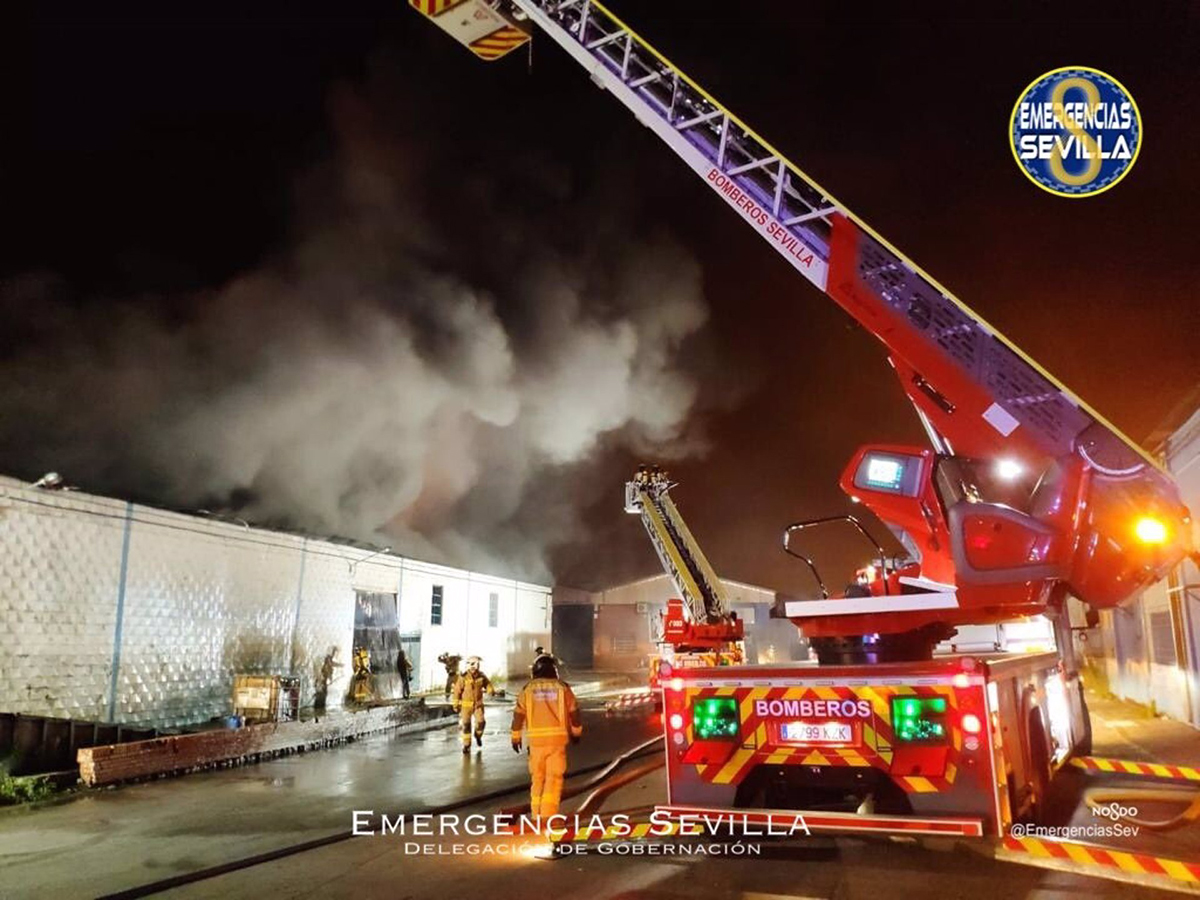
(698, 627)
(1025, 493)
(1024, 496)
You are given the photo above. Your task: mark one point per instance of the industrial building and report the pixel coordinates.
(113, 611)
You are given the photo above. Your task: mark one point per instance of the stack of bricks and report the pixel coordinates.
(189, 752)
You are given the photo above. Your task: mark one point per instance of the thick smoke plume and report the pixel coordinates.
(434, 362)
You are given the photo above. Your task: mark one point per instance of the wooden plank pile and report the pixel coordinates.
(181, 753)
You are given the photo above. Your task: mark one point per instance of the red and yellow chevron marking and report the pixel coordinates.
(432, 7)
(875, 750)
(1108, 859)
(498, 43)
(1126, 767)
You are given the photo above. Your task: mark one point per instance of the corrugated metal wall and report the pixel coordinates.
(1152, 645)
(115, 612)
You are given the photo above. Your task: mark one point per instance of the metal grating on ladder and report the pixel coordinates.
(761, 175)
(785, 203)
(1026, 394)
(798, 219)
(690, 586)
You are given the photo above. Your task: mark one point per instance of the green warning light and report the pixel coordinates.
(715, 718)
(919, 719)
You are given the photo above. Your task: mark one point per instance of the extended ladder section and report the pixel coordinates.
(770, 193)
(979, 397)
(698, 585)
(978, 394)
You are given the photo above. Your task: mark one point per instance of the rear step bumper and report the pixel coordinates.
(782, 821)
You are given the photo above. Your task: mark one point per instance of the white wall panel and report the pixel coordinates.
(324, 620)
(202, 601)
(60, 562)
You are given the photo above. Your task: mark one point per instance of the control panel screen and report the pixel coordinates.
(889, 473)
(885, 473)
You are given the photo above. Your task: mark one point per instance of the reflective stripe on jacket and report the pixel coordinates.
(468, 690)
(547, 712)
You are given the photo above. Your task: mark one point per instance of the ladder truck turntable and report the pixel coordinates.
(1025, 495)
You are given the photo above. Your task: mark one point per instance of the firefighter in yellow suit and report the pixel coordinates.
(548, 714)
(468, 701)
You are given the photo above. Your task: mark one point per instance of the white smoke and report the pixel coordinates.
(359, 385)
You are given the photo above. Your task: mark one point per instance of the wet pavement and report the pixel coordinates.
(103, 841)
(1128, 731)
(106, 841)
(390, 866)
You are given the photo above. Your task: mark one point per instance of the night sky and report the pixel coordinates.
(155, 154)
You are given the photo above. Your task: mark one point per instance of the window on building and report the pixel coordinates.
(493, 610)
(435, 606)
(1162, 638)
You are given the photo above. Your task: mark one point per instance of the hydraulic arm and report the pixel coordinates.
(708, 622)
(1085, 509)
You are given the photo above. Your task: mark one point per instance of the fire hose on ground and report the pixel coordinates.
(1116, 798)
(602, 771)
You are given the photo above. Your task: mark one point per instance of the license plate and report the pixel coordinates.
(817, 732)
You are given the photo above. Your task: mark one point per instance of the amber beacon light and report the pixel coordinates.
(1150, 530)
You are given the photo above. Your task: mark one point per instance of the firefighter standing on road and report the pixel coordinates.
(468, 701)
(547, 712)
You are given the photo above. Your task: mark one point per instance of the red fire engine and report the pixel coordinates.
(1024, 497)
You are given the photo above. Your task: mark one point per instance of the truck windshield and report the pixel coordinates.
(981, 481)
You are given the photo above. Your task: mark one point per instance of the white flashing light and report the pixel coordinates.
(1009, 469)
(676, 721)
(677, 684)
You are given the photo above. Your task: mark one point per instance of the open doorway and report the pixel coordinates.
(377, 631)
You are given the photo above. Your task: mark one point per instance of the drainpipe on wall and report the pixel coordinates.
(296, 617)
(119, 625)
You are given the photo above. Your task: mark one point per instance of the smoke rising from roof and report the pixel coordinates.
(435, 361)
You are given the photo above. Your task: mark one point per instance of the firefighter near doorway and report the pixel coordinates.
(468, 701)
(450, 661)
(548, 714)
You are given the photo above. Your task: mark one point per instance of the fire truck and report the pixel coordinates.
(698, 628)
(1024, 496)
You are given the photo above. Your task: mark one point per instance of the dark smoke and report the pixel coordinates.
(438, 369)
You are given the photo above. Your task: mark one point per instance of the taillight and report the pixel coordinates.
(715, 718)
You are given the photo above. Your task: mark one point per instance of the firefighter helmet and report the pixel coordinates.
(545, 667)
